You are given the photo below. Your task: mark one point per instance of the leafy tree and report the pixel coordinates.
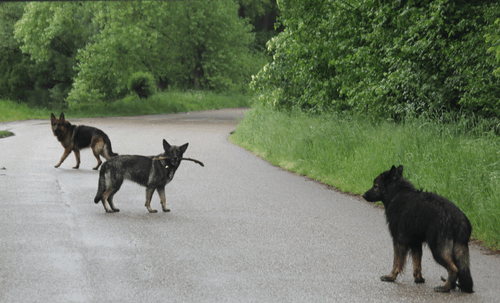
(493, 38)
(437, 60)
(309, 53)
(385, 57)
(9, 54)
(18, 79)
(94, 47)
(51, 33)
(199, 44)
(262, 15)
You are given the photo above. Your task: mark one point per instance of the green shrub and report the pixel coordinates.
(143, 84)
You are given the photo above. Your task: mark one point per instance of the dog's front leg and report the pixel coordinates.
(400, 252)
(149, 195)
(163, 199)
(77, 156)
(66, 153)
(416, 253)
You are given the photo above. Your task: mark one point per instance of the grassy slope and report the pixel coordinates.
(349, 153)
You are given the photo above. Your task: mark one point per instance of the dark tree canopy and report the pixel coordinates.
(387, 57)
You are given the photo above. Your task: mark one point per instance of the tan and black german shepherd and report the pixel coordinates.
(153, 172)
(76, 137)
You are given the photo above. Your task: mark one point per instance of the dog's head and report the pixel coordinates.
(383, 183)
(174, 154)
(58, 124)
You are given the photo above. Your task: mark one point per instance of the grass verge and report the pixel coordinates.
(4, 133)
(348, 153)
(163, 102)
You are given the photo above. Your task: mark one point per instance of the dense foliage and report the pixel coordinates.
(24, 79)
(494, 39)
(80, 53)
(143, 84)
(384, 57)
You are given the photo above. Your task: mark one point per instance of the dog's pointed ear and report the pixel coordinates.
(52, 117)
(393, 173)
(400, 171)
(61, 117)
(166, 146)
(184, 147)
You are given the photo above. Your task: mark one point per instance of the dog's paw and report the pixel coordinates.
(442, 289)
(453, 285)
(387, 279)
(166, 210)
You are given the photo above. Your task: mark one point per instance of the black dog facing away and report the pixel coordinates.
(415, 217)
(153, 172)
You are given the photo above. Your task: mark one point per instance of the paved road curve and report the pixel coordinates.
(240, 230)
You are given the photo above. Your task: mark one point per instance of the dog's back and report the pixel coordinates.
(88, 136)
(143, 170)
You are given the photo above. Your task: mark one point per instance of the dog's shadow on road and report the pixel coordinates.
(129, 217)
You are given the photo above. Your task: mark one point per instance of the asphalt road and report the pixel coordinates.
(240, 229)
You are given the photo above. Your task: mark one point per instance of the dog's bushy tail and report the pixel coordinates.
(101, 188)
(108, 150)
(461, 256)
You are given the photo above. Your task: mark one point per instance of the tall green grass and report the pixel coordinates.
(163, 102)
(12, 111)
(346, 152)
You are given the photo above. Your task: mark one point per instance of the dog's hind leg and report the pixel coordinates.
(461, 257)
(107, 196)
(416, 253)
(443, 256)
(149, 195)
(400, 252)
(113, 184)
(109, 193)
(110, 201)
(97, 146)
(163, 199)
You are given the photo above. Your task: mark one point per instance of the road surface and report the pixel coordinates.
(240, 229)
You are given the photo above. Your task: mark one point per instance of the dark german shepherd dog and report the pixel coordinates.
(415, 217)
(153, 172)
(73, 138)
